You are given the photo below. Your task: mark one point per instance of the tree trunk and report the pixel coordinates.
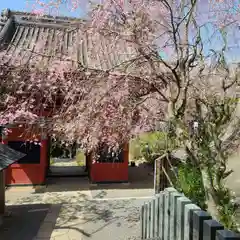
(209, 191)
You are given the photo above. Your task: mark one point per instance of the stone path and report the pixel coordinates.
(77, 215)
(67, 171)
(116, 219)
(64, 162)
(66, 167)
(73, 209)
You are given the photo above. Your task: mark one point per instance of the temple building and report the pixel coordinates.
(20, 31)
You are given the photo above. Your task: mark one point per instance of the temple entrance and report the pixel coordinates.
(66, 161)
(103, 167)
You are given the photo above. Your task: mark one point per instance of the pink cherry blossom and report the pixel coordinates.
(92, 104)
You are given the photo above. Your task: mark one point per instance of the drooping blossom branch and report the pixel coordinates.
(94, 103)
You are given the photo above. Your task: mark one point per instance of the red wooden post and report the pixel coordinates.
(2, 182)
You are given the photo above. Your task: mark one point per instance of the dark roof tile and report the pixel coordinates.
(41, 41)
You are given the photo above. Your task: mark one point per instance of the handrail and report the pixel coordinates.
(163, 167)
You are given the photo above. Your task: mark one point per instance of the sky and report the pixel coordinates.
(13, 4)
(27, 6)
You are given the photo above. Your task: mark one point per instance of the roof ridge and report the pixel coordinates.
(7, 13)
(26, 18)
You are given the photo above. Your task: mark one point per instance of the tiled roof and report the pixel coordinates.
(36, 40)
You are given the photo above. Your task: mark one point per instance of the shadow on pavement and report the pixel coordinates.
(86, 220)
(24, 221)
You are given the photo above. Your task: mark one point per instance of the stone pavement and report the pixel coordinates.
(115, 219)
(77, 215)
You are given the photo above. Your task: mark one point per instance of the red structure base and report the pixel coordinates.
(110, 172)
(26, 174)
(35, 173)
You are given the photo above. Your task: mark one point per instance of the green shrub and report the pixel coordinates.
(189, 182)
(135, 149)
(51, 161)
(80, 158)
(152, 145)
(147, 146)
(227, 209)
